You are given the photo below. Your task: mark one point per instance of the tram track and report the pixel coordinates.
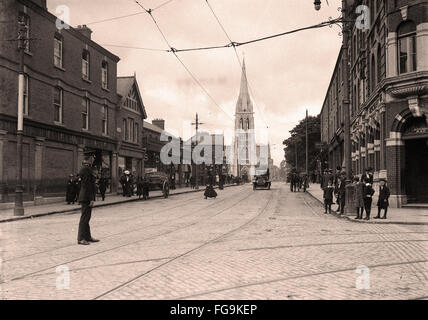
(183, 203)
(127, 244)
(188, 252)
(301, 276)
(106, 236)
(394, 248)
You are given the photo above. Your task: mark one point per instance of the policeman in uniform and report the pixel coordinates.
(86, 199)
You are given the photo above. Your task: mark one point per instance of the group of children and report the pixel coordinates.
(363, 197)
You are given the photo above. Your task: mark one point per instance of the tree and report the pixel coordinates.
(297, 144)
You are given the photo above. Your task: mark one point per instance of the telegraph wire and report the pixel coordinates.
(149, 11)
(238, 59)
(162, 4)
(238, 44)
(127, 15)
(136, 48)
(115, 18)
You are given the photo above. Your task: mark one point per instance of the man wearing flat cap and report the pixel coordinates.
(86, 199)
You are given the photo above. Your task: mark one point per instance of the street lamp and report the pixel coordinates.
(346, 102)
(18, 210)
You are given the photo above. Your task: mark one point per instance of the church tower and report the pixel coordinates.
(245, 145)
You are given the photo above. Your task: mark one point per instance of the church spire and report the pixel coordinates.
(244, 101)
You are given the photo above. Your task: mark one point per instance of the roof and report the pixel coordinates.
(124, 85)
(244, 103)
(152, 127)
(73, 31)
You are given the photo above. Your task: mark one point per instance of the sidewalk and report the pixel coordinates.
(62, 207)
(410, 216)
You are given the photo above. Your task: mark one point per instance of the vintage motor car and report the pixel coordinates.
(159, 181)
(261, 180)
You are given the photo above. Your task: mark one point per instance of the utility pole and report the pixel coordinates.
(307, 147)
(19, 188)
(345, 102)
(197, 124)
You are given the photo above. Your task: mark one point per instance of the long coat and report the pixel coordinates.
(88, 187)
(358, 195)
(102, 185)
(71, 191)
(384, 194)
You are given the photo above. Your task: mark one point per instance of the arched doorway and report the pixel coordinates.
(415, 135)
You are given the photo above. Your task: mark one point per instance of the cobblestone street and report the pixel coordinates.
(243, 245)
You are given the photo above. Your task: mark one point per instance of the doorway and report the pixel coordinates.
(416, 172)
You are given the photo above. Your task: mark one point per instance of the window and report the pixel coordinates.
(58, 105)
(131, 129)
(104, 121)
(125, 129)
(85, 114)
(104, 74)
(372, 74)
(131, 103)
(379, 64)
(136, 133)
(58, 52)
(26, 95)
(85, 64)
(407, 47)
(25, 20)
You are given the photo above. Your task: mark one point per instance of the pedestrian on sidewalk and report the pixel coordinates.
(368, 193)
(146, 188)
(70, 196)
(102, 186)
(139, 187)
(341, 193)
(328, 197)
(358, 197)
(383, 202)
(86, 199)
(122, 181)
(77, 182)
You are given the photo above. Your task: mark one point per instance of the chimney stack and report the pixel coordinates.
(159, 123)
(84, 30)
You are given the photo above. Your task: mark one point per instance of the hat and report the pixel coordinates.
(382, 179)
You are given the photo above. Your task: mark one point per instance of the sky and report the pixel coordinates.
(287, 75)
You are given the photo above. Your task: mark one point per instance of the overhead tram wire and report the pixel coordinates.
(237, 58)
(127, 15)
(162, 4)
(173, 50)
(135, 48)
(238, 44)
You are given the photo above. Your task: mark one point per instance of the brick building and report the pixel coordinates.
(70, 101)
(389, 94)
(130, 117)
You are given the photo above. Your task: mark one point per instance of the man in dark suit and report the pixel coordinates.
(368, 175)
(383, 201)
(341, 193)
(86, 199)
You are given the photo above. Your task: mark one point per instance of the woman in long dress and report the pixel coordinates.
(209, 191)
